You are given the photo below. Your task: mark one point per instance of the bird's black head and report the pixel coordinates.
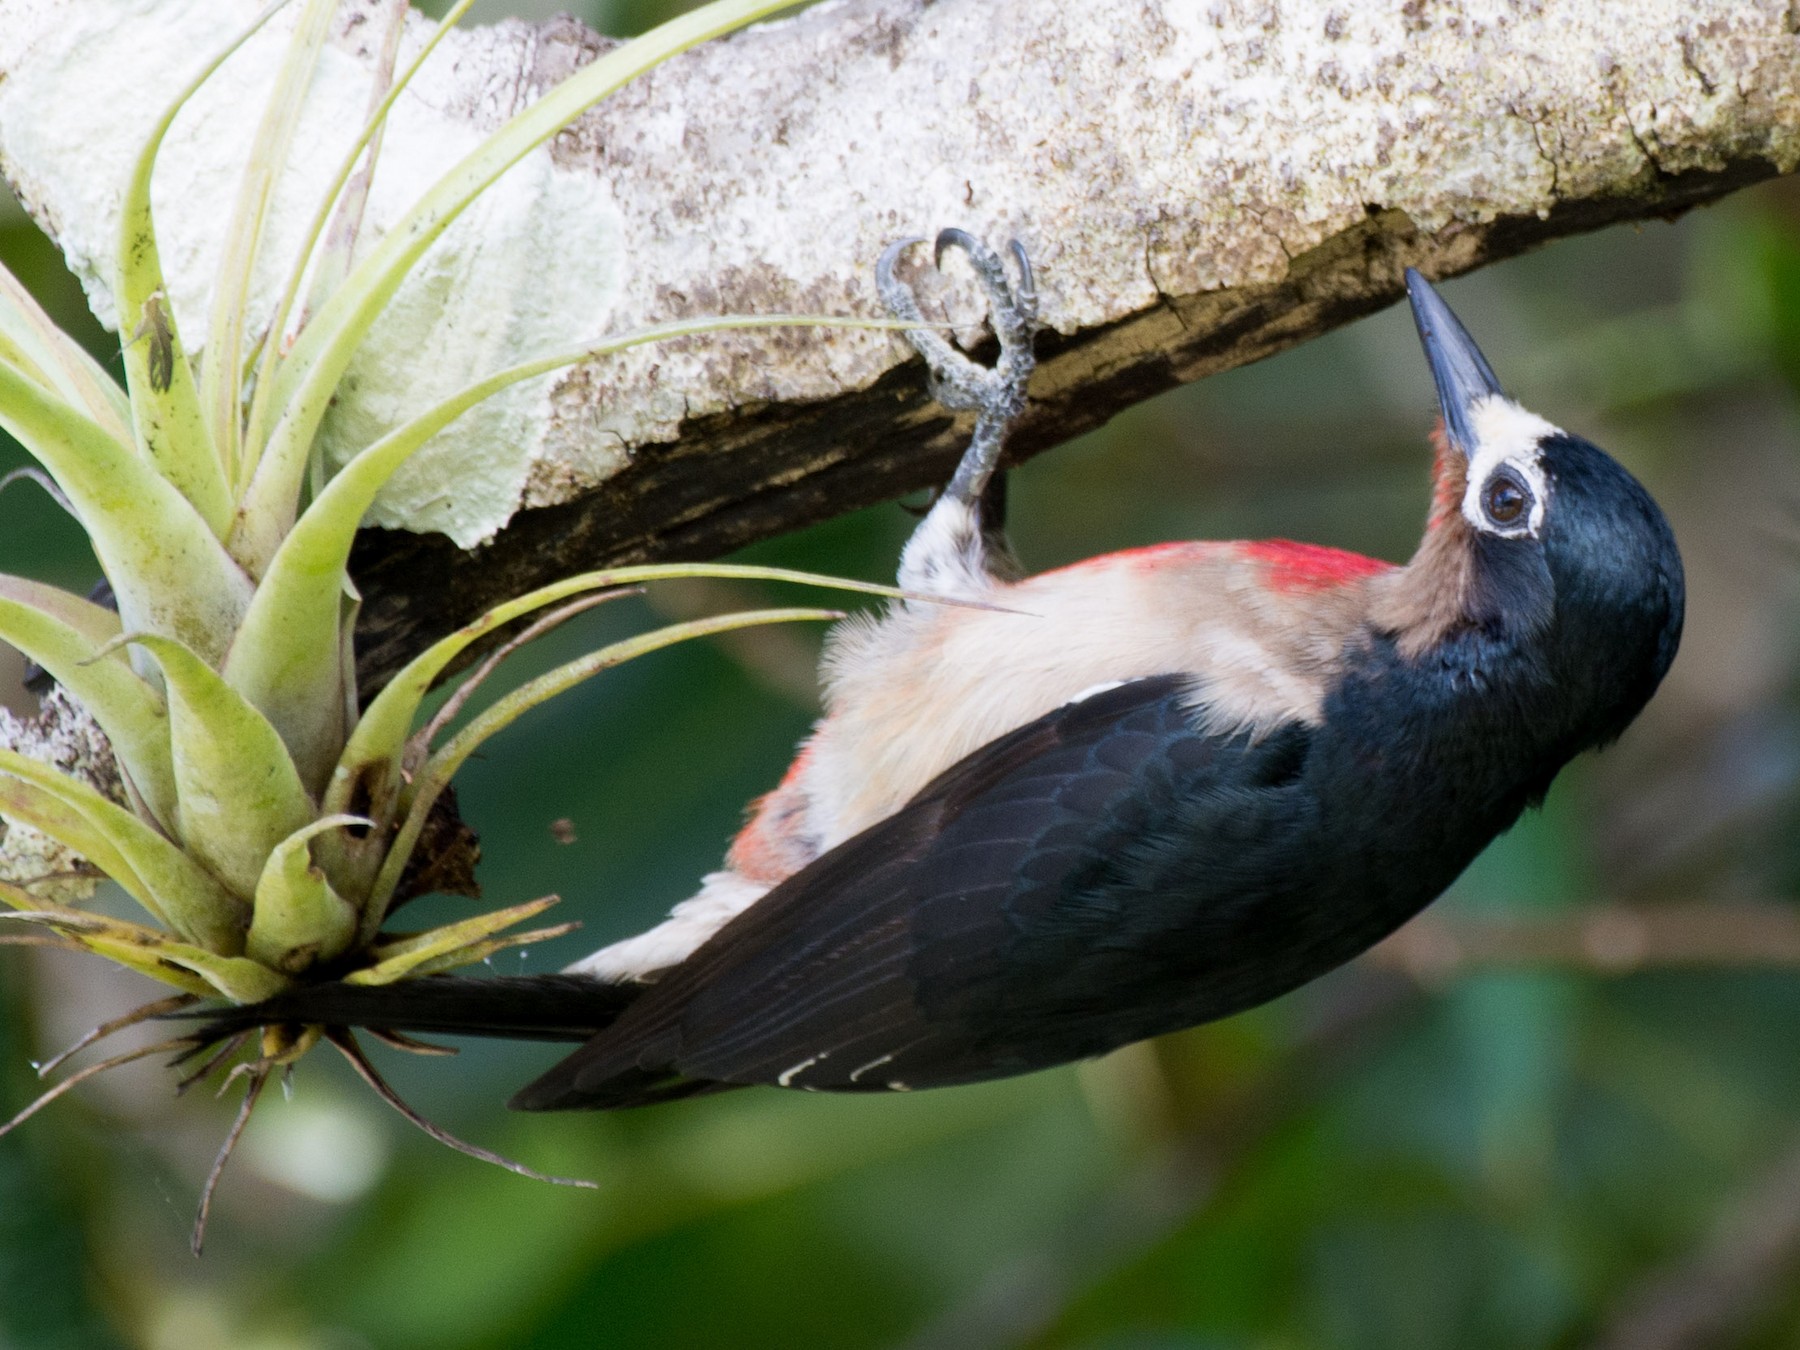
(1546, 567)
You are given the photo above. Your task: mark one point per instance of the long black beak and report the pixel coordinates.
(1462, 373)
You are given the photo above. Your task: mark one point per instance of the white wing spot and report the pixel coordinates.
(786, 1077)
(872, 1064)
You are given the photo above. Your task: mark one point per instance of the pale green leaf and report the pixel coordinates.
(165, 403)
(331, 270)
(168, 569)
(299, 919)
(25, 803)
(237, 793)
(476, 952)
(417, 801)
(506, 710)
(156, 955)
(168, 883)
(128, 709)
(402, 957)
(139, 955)
(337, 242)
(96, 624)
(30, 339)
(368, 771)
(221, 384)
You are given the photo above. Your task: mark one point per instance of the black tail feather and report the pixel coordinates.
(512, 1007)
(634, 1088)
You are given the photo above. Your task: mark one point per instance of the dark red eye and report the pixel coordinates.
(1505, 499)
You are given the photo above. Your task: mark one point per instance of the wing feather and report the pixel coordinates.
(969, 935)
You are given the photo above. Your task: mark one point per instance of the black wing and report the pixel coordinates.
(1061, 891)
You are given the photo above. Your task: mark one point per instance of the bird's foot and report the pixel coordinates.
(996, 392)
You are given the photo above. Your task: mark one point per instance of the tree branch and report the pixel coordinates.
(1201, 186)
(1599, 939)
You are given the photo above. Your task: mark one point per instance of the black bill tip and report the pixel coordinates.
(1461, 372)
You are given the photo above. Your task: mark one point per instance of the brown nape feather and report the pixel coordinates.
(1423, 602)
(1449, 478)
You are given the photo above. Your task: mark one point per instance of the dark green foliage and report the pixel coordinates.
(44, 1269)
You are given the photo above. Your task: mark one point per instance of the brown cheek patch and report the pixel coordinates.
(1424, 602)
(1428, 599)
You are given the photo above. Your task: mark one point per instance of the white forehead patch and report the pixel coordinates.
(1506, 434)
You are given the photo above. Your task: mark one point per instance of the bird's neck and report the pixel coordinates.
(1425, 602)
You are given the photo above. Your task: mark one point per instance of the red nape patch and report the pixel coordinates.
(1310, 567)
(1149, 556)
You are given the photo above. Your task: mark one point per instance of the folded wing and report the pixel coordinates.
(984, 929)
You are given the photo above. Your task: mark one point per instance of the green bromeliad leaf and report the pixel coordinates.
(407, 957)
(181, 964)
(36, 619)
(238, 795)
(155, 872)
(31, 341)
(457, 958)
(170, 424)
(299, 918)
(371, 762)
(169, 570)
(94, 624)
(418, 798)
(328, 242)
(24, 802)
(222, 380)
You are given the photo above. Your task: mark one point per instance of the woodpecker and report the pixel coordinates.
(1120, 798)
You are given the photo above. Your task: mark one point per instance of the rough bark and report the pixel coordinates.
(1200, 184)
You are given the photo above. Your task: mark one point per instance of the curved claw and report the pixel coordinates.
(884, 266)
(996, 392)
(955, 238)
(896, 294)
(1014, 307)
(1026, 296)
(903, 304)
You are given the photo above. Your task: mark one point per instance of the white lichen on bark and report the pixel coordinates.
(64, 737)
(1152, 154)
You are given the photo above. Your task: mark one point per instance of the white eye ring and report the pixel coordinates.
(1506, 449)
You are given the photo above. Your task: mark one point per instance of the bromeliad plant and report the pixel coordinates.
(270, 815)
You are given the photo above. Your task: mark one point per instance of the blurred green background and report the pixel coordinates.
(1502, 1160)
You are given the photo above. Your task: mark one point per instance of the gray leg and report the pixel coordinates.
(947, 553)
